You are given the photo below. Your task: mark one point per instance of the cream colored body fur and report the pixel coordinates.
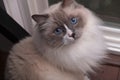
(27, 61)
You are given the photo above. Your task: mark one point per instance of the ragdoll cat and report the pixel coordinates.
(67, 43)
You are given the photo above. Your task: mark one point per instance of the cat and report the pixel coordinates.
(67, 43)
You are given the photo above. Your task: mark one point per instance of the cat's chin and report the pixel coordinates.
(69, 41)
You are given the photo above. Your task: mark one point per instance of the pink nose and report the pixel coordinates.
(72, 35)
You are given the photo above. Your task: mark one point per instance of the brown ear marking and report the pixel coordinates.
(66, 3)
(40, 18)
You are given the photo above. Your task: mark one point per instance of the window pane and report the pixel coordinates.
(53, 1)
(108, 10)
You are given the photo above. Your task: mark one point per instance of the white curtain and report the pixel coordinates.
(21, 11)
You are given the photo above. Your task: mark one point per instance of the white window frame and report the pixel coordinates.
(112, 36)
(21, 11)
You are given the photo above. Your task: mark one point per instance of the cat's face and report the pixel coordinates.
(59, 28)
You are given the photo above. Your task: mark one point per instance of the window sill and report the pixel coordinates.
(112, 36)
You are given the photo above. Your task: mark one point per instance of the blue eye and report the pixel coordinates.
(58, 31)
(73, 20)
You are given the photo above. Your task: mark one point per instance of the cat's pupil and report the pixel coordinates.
(73, 20)
(58, 31)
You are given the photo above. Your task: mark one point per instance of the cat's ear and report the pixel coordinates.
(66, 3)
(40, 18)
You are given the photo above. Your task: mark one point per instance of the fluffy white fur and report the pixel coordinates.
(87, 52)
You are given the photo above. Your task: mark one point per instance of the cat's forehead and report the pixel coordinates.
(59, 16)
(70, 11)
(57, 6)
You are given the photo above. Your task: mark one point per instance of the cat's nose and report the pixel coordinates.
(72, 35)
